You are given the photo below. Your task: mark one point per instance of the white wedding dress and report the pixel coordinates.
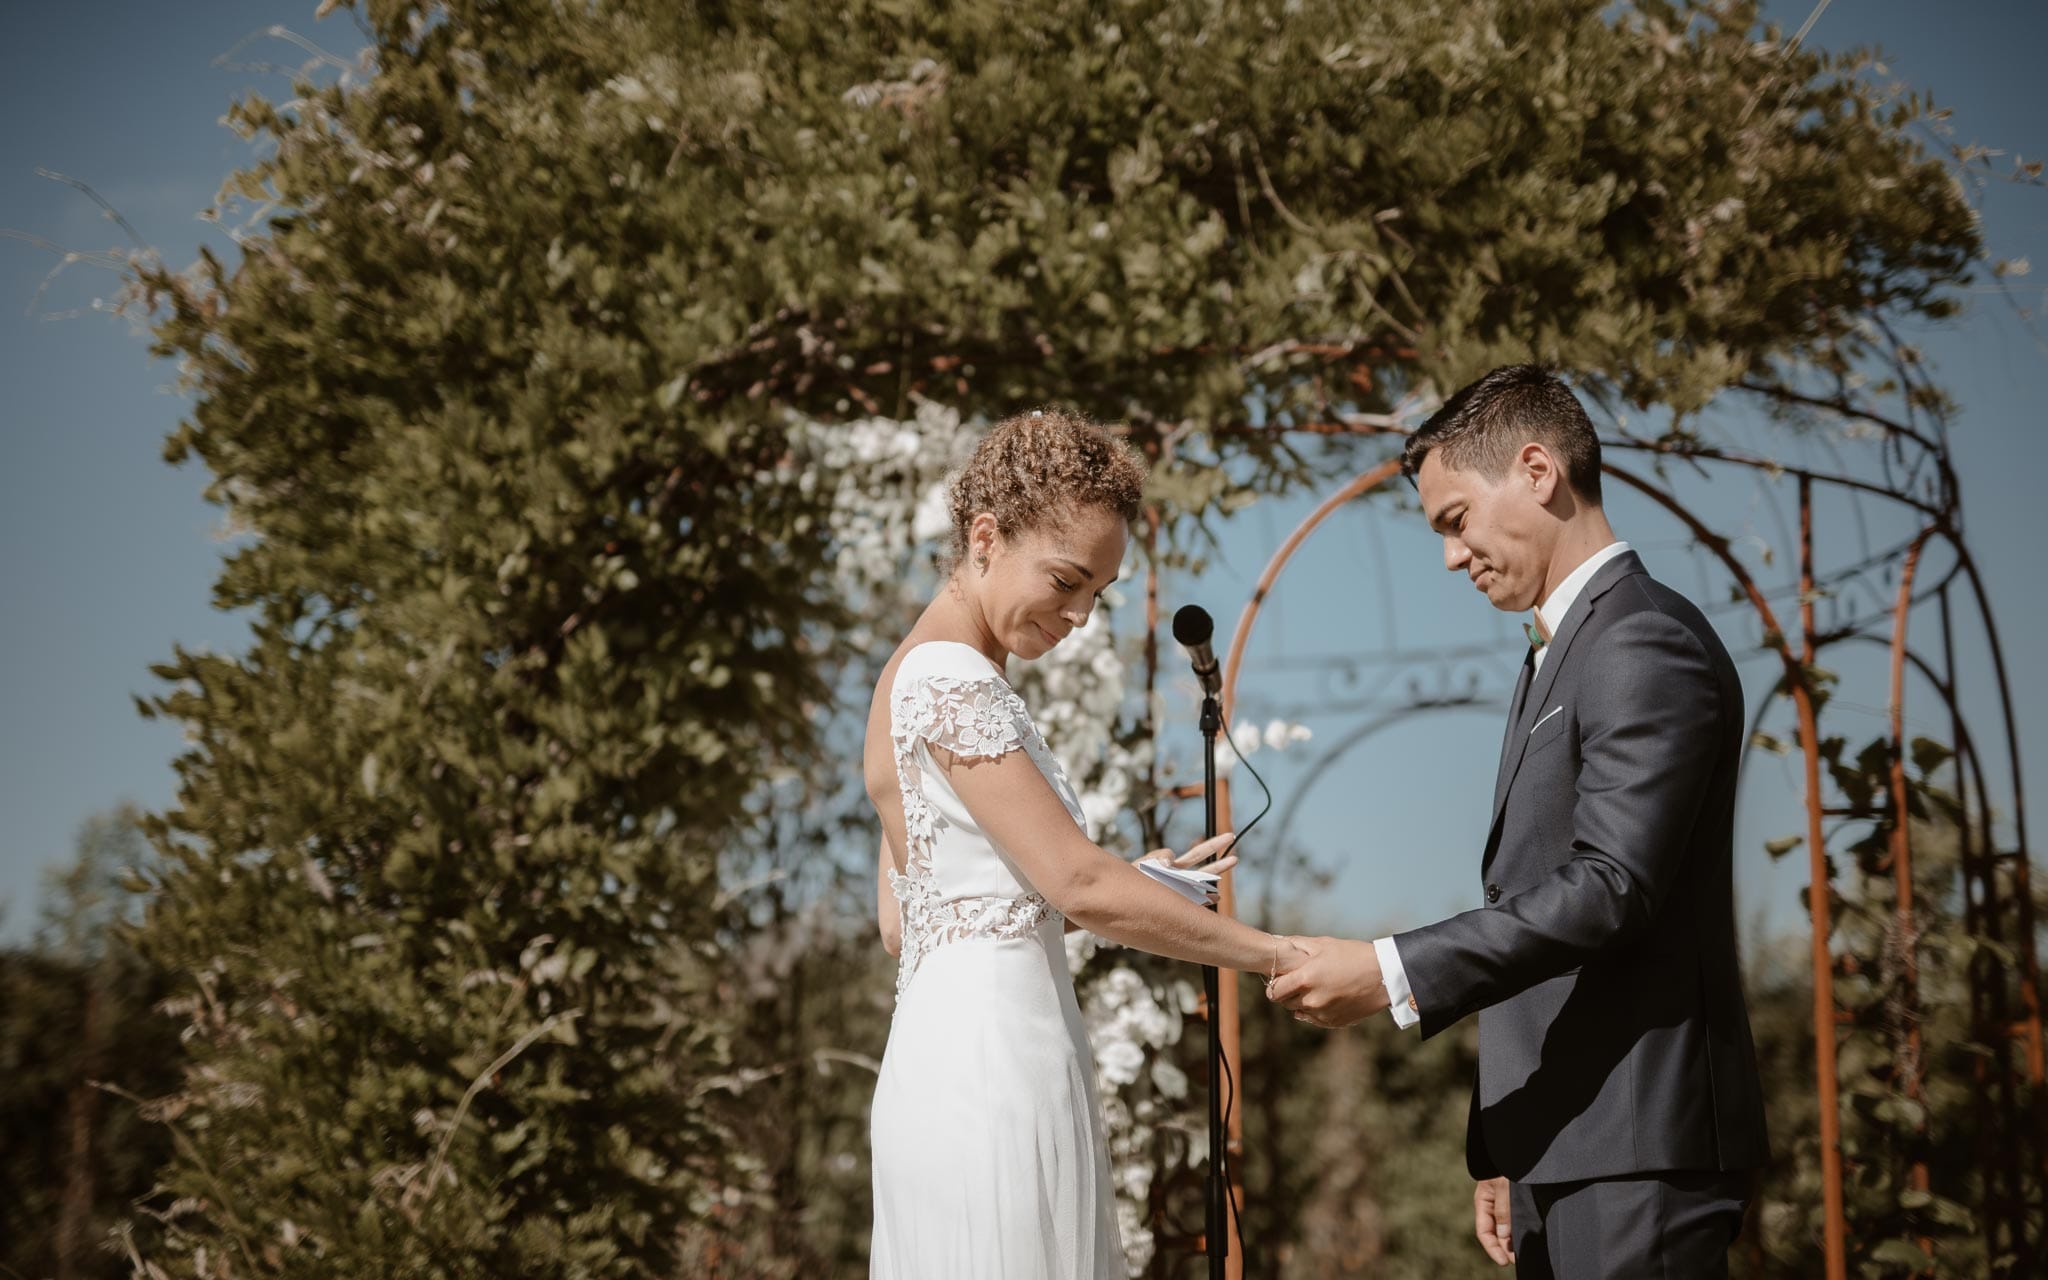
(989, 1156)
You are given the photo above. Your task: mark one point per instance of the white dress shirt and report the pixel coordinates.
(1553, 612)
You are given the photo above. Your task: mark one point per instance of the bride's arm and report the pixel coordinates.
(886, 910)
(1014, 805)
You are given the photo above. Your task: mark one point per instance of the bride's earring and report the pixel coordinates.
(982, 561)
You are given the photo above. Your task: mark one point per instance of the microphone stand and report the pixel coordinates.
(1217, 1234)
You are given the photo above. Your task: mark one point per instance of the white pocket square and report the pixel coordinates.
(1546, 715)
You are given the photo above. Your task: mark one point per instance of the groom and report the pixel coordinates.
(1617, 1119)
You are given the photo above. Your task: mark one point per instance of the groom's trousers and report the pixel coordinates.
(1659, 1226)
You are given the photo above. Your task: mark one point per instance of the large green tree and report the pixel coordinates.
(497, 393)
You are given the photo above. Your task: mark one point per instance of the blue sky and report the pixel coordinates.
(110, 554)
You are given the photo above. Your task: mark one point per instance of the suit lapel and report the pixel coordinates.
(1553, 664)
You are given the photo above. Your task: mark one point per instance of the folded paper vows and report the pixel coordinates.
(1194, 885)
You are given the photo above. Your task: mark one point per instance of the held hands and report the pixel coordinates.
(1336, 985)
(1288, 955)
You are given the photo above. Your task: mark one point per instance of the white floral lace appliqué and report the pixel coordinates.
(976, 718)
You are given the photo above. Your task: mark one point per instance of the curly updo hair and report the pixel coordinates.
(1037, 468)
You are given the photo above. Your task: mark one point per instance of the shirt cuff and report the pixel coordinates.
(1395, 979)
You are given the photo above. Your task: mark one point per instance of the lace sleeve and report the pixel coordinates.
(971, 717)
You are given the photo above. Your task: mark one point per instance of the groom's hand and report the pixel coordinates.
(1490, 1219)
(1337, 985)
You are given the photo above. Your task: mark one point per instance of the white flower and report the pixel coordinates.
(1156, 1025)
(1121, 988)
(934, 516)
(1134, 1180)
(1138, 1242)
(937, 420)
(1280, 734)
(1170, 1080)
(1116, 1114)
(1114, 787)
(869, 440)
(1099, 810)
(1118, 1062)
(1081, 948)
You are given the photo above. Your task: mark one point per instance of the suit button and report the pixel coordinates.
(1492, 894)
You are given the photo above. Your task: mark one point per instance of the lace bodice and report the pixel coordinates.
(957, 882)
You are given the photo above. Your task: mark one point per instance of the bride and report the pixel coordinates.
(989, 1153)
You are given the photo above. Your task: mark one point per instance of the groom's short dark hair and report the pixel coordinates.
(1483, 426)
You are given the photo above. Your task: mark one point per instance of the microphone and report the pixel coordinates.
(1192, 628)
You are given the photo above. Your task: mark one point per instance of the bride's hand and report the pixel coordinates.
(1199, 855)
(1290, 953)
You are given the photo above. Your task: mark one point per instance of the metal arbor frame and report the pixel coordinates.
(1998, 901)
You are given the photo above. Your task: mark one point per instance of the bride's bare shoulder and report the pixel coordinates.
(878, 702)
(887, 680)
(878, 758)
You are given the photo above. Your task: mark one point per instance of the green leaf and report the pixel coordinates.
(1902, 1253)
(1929, 755)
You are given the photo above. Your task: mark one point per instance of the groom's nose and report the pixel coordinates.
(1456, 554)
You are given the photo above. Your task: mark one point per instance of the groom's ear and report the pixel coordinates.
(1537, 467)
